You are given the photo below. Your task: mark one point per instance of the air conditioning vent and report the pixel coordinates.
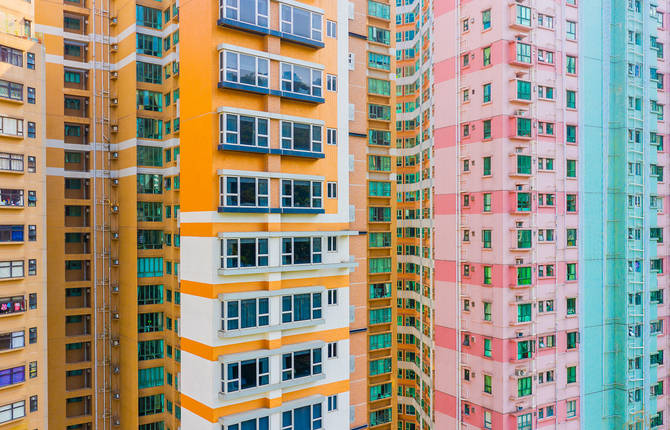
(114, 101)
(115, 128)
(114, 75)
(116, 396)
(114, 155)
(113, 20)
(115, 181)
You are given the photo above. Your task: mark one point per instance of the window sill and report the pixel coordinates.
(247, 88)
(266, 150)
(223, 209)
(301, 97)
(271, 387)
(270, 328)
(11, 136)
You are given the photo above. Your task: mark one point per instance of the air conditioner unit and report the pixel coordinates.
(113, 20)
(114, 154)
(115, 208)
(519, 261)
(117, 422)
(115, 235)
(114, 101)
(116, 370)
(115, 342)
(115, 315)
(114, 47)
(519, 334)
(115, 289)
(520, 112)
(519, 224)
(115, 181)
(115, 128)
(116, 396)
(114, 75)
(115, 262)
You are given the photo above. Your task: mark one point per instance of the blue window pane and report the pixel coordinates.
(302, 417)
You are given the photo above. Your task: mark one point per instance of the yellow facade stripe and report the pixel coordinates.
(213, 414)
(212, 291)
(212, 353)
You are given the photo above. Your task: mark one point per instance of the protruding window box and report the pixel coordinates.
(520, 17)
(520, 53)
(522, 240)
(521, 91)
(521, 202)
(522, 166)
(11, 127)
(521, 126)
(521, 276)
(298, 25)
(12, 305)
(11, 199)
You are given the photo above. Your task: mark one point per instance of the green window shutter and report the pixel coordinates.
(523, 90)
(523, 164)
(487, 166)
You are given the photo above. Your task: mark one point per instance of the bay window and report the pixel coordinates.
(301, 137)
(301, 22)
(251, 252)
(243, 130)
(247, 313)
(306, 417)
(301, 194)
(253, 12)
(11, 162)
(240, 191)
(245, 374)
(244, 69)
(11, 269)
(11, 126)
(301, 250)
(300, 364)
(301, 80)
(301, 307)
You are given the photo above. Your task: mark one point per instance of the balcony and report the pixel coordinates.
(76, 161)
(75, 51)
(77, 216)
(77, 270)
(75, 106)
(77, 298)
(75, 134)
(77, 243)
(12, 305)
(75, 79)
(521, 126)
(77, 352)
(11, 198)
(78, 407)
(77, 188)
(77, 379)
(77, 325)
(520, 54)
(75, 23)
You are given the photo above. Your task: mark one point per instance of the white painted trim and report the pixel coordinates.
(262, 54)
(270, 115)
(267, 234)
(273, 175)
(302, 6)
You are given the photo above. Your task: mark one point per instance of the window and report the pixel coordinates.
(524, 275)
(379, 112)
(488, 384)
(523, 90)
(571, 202)
(248, 313)
(148, 17)
(300, 22)
(487, 311)
(149, 73)
(331, 82)
(571, 236)
(523, 164)
(523, 127)
(151, 405)
(486, 239)
(253, 12)
(11, 56)
(12, 376)
(12, 411)
(523, 53)
(571, 30)
(571, 375)
(246, 130)
(571, 339)
(381, 416)
(332, 297)
(487, 348)
(380, 341)
(32, 301)
(301, 194)
(13, 340)
(571, 65)
(301, 364)
(379, 189)
(332, 350)
(524, 422)
(301, 80)
(379, 87)
(487, 166)
(487, 93)
(571, 99)
(571, 409)
(149, 322)
(149, 294)
(486, 19)
(32, 335)
(11, 269)
(524, 312)
(150, 349)
(149, 45)
(239, 191)
(150, 377)
(238, 253)
(523, 15)
(301, 250)
(150, 128)
(244, 69)
(245, 374)
(546, 21)
(331, 29)
(379, 137)
(300, 137)
(12, 90)
(332, 190)
(148, 267)
(379, 35)
(11, 126)
(379, 61)
(306, 417)
(524, 386)
(486, 56)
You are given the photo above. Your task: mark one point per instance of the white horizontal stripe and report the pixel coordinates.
(269, 115)
(301, 5)
(130, 143)
(235, 218)
(266, 234)
(274, 175)
(268, 55)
